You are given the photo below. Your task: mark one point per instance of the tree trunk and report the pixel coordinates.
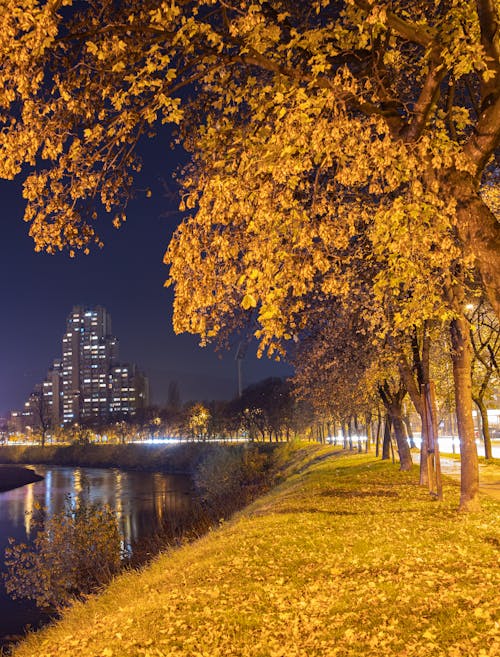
(414, 391)
(344, 435)
(400, 435)
(461, 359)
(479, 232)
(485, 427)
(432, 443)
(377, 438)
(368, 432)
(409, 431)
(386, 445)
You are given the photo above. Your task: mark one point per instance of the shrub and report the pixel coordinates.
(229, 477)
(75, 552)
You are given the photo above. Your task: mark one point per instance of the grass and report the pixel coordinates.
(346, 557)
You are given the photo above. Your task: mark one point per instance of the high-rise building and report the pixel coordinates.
(88, 385)
(129, 390)
(88, 355)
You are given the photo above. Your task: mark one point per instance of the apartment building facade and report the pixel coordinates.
(88, 384)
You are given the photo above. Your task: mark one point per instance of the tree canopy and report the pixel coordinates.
(310, 125)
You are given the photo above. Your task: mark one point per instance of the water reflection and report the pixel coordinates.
(142, 502)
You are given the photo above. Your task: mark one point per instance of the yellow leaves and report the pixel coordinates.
(118, 66)
(249, 301)
(428, 634)
(291, 184)
(92, 47)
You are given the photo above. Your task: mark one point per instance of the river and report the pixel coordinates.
(143, 501)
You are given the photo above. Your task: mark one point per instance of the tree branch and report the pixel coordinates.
(421, 34)
(426, 100)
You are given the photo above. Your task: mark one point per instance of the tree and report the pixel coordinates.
(313, 126)
(74, 552)
(485, 341)
(266, 409)
(412, 93)
(42, 413)
(199, 421)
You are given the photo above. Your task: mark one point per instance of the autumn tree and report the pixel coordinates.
(412, 91)
(266, 409)
(198, 421)
(309, 125)
(331, 360)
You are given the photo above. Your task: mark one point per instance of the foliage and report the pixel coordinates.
(310, 125)
(74, 552)
(266, 409)
(198, 421)
(345, 558)
(310, 165)
(231, 476)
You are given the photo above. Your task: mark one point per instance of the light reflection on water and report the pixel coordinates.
(141, 501)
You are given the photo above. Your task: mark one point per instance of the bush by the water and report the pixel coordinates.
(232, 476)
(76, 551)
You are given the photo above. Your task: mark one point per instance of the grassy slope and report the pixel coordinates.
(348, 557)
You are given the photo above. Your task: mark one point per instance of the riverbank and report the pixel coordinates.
(175, 458)
(346, 557)
(15, 476)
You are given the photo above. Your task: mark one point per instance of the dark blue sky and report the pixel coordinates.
(126, 277)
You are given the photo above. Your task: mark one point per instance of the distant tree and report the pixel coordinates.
(199, 421)
(78, 433)
(485, 339)
(42, 414)
(266, 409)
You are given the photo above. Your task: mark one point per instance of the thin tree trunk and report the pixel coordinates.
(368, 432)
(409, 432)
(386, 445)
(413, 386)
(485, 427)
(377, 439)
(400, 435)
(432, 443)
(461, 359)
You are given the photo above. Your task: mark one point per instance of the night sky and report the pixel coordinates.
(126, 277)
